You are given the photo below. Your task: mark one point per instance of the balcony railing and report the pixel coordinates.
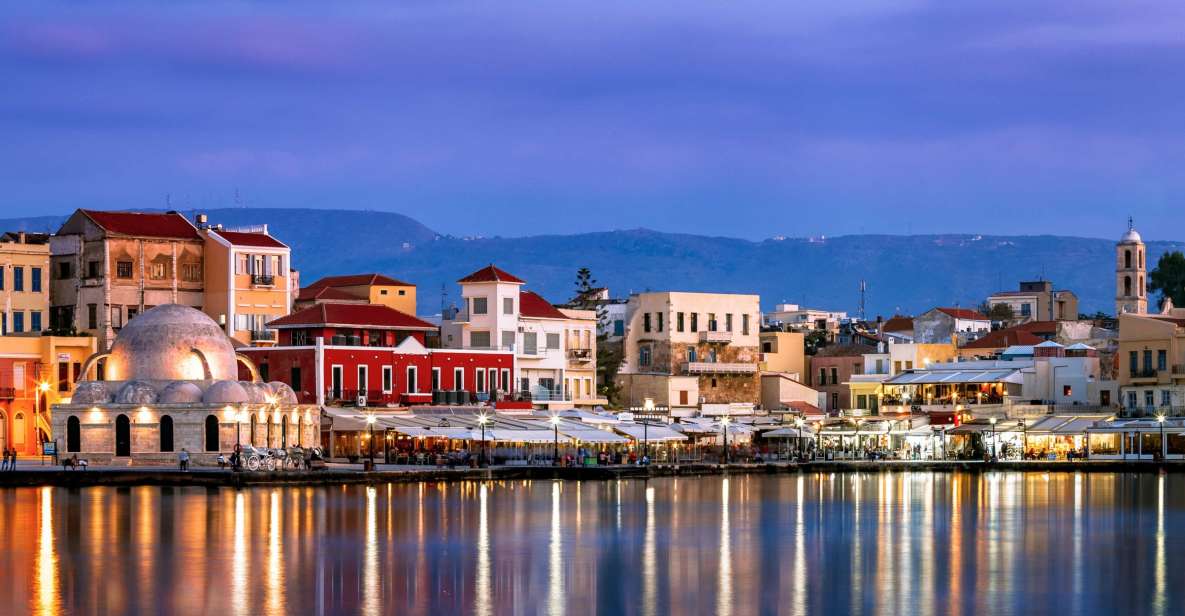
(713, 367)
(580, 355)
(1144, 374)
(543, 394)
(263, 280)
(1179, 369)
(263, 335)
(351, 396)
(711, 336)
(535, 352)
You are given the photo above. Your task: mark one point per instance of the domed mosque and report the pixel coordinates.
(170, 382)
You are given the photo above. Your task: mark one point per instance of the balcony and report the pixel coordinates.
(263, 280)
(714, 367)
(715, 337)
(263, 335)
(535, 353)
(580, 356)
(1144, 375)
(7, 393)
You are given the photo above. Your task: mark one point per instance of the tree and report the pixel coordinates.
(814, 340)
(584, 281)
(1000, 312)
(1168, 278)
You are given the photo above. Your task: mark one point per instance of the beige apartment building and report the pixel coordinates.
(110, 266)
(682, 350)
(1037, 301)
(580, 377)
(1152, 362)
(24, 283)
(246, 282)
(370, 288)
(785, 353)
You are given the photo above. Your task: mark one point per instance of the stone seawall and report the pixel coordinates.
(337, 476)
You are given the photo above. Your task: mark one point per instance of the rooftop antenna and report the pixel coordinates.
(1131, 224)
(863, 289)
(443, 299)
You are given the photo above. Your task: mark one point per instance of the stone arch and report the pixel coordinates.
(1127, 258)
(166, 434)
(250, 364)
(123, 436)
(1127, 286)
(91, 361)
(211, 433)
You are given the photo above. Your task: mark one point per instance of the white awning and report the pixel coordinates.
(651, 433)
(425, 432)
(593, 436)
(501, 435)
(947, 377)
(787, 433)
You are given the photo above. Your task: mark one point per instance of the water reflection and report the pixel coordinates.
(806, 544)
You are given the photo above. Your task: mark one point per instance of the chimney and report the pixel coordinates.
(20, 237)
(200, 220)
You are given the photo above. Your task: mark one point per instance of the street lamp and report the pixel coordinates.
(1024, 431)
(370, 419)
(555, 426)
(858, 422)
(1163, 449)
(648, 407)
(993, 422)
(482, 420)
(799, 422)
(724, 426)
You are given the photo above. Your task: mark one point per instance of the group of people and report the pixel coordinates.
(9, 463)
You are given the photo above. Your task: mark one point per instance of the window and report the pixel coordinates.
(132, 312)
(191, 272)
(64, 270)
(1166, 397)
(507, 339)
(480, 305)
(116, 316)
(646, 322)
(1067, 391)
(212, 432)
(530, 343)
(834, 401)
(744, 325)
(363, 379)
(834, 375)
(553, 341)
(728, 322)
(678, 321)
(123, 269)
(479, 380)
(822, 376)
(861, 401)
(1026, 310)
(435, 380)
(694, 322)
(618, 327)
(479, 340)
(505, 380)
(507, 305)
(73, 435)
(264, 372)
(493, 379)
(294, 378)
(382, 291)
(18, 321)
(1127, 259)
(691, 354)
(660, 317)
(1147, 361)
(388, 376)
(1148, 398)
(644, 356)
(711, 321)
(34, 320)
(1131, 399)
(402, 292)
(458, 378)
(18, 278)
(166, 433)
(1161, 360)
(92, 269)
(35, 279)
(1, 277)
(1127, 286)
(157, 271)
(1133, 362)
(413, 380)
(63, 376)
(767, 347)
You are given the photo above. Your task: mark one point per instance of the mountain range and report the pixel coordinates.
(904, 274)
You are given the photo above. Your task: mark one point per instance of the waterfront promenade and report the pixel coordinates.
(33, 473)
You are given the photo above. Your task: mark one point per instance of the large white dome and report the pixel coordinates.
(1131, 237)
(172, 342)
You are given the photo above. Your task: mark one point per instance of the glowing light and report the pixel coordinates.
(44, 387)
(370, 419)
(483, 419)
(555, 420)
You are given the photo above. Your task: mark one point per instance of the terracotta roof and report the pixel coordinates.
(325, 293)
(533, 305)
(490, 273)
(1004, 338)
(898, 324)
(964, 313)
(354, 280)
(806, 408)
(357, 315)
(147, 224)
(243, 238)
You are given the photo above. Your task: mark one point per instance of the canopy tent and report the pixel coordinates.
(500, 435)
(1062, 425)
(593, 436)
(344, 422)
(421, 432)
(979, 428)
(654, 433)
(947, 377)
(788, 433)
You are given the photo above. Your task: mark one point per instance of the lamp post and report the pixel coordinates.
(800, 423)
(555, 426)
(370, 419)
(724, 427)
(858, 422)
(993, 422)
(482, 420)
(1024, 431)
(1163, 449)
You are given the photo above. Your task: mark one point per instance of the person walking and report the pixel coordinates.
(4, 464)
(183, 459)
(12, 461)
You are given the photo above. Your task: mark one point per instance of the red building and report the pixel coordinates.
(373, 355)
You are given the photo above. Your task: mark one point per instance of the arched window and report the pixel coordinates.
(1127, 259)
(1141, 286)
(1141, 253)
(1127, 286)
(123, 436)
(284, 431)
(211, 433)
(166, 433)
(18, 430)
(73, 435)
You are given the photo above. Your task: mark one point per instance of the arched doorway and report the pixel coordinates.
(18, 431)
(166, 433)
(123, 436)
(284, 431)
(211, 433)
(73, 435)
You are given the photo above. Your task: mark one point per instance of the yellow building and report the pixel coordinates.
(374, 288)
(580, 376)
(1152, 361)
(784, 352)
(24, 282)
(36, 372)
(246, 282)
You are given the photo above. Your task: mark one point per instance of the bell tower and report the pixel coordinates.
(1131, 293)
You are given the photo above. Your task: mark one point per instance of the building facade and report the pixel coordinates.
(109, 267)
(364, 288)
(1037, 301)
(683, 350)
(24, 283)
(1152, 362)
(246, 282)
(1131, 293)
(36, 372)
(944, 325)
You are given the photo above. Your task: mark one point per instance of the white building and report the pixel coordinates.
(793, 316)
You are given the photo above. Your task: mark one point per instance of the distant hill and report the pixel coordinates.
(904, 273)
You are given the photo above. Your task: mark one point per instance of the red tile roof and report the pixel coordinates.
(806, 408)
(242, 238)
(964, 313)
(308, 294)
(1004, 338)
(533, 305)
(490, 273)
(145, 224)
(898, 324)
(354, 280)
(354, 315)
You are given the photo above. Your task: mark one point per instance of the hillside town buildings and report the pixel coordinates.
(24, 283)
(246, 281)
(1037, 301)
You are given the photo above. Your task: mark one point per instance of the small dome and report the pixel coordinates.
(283, 393)
(180, 392)
(160, 345)
(136, 392)
(225, 392)
(1131, 237)
(257, 393)
(91, 392)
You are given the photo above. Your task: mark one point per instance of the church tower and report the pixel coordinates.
(1130, 291)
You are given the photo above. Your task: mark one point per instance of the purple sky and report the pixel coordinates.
(736, 118)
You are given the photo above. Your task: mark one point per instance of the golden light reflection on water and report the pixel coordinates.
(873, 543)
